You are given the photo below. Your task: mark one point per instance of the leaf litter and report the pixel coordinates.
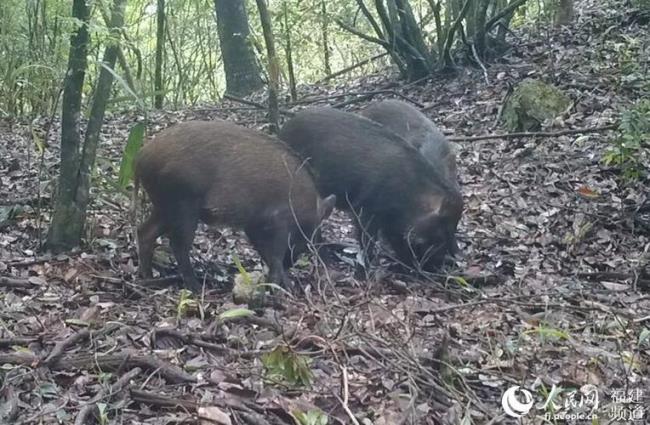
(551, 290)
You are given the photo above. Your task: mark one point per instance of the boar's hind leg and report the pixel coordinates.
(148, 232)
(271, 240)
(182, 222)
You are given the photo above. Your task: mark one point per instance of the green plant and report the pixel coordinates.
(630, 149)
(282, 364)
(185, 303)
(103, 413)
(312, 417)
(547, 333)
(133, 145)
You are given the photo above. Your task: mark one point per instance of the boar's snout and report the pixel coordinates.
(432, 241)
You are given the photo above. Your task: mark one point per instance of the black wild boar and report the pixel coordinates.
(412, 125)
(224, 174)
(383, 179)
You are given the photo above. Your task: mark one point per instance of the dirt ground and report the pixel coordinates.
(551, 292)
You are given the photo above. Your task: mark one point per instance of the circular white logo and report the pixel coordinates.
(513, 406)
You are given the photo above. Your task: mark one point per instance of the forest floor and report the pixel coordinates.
(556, 242)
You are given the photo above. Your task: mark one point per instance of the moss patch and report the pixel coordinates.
(531, 103)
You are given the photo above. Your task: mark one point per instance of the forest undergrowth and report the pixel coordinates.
(551, 291)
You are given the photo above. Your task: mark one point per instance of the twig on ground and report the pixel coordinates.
(116, 388)
(534, 134)
(18, 341)
(351, 68)
(32, 261)
(345, 395)
(255, 104)
(478, 60)
(639, 280)
(61, 346)
(105, 362)
(12, 282)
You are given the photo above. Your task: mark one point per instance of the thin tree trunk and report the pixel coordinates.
(480, 35)
(242, 71)
(325, 37)
(98, 107)
(289, 53)
(274, 69)
(74, 189)
(65, 229)
(124, 64)
(564, 13)
(160, 46)
(447, 61)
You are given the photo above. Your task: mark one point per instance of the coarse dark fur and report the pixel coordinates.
(413, 126)
(224, 174)
(383, 179)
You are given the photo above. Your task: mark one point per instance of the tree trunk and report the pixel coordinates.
(74, 183)
(241, 68)
(160, 46)
(479, 38)
(274, 68)
(325, 37)
(564, 13)
(289, 53)
(65, 230)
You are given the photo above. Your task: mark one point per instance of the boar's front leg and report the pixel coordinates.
(182, 222)
(270, 238)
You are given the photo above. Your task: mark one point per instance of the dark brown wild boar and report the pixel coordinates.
(412, 125)
(383, 179)
(224, 174)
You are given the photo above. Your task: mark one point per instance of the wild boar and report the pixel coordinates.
(224, 174)
(385, 181)
(412, 125)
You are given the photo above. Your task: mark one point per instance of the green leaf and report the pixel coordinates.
(236, 313)
(312, 417)
(133, 145)
(77, 322)
(644, 337)
(283, 364)
(242, 270)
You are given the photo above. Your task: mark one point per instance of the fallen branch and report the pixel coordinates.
(189, 339)
(256, 104)
(640, 280)
(32, 261)
(346, 395)
(110, 362)
(370, 94)
(61, 346)
(155, 399)
(18, 341)
(32, 201)
(12, 282)
(116, 388)
(351, 68)
(253, 412)
(534, 134)
(160, 281)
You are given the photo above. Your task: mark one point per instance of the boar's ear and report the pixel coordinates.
(325, 206)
